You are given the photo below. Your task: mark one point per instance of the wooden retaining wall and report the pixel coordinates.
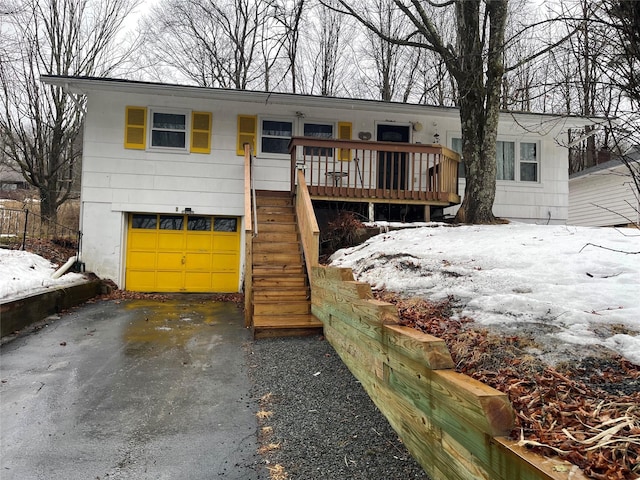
(453, 425)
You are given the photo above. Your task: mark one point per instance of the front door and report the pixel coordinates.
(392, 166)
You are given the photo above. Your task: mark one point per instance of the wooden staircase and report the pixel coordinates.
(281, 295)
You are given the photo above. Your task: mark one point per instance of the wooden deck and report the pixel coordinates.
(376, 172)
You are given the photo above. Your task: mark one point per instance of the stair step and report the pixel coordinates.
(268, 237)
(281, 295)
(276, 247)
(286, 321)
(282, 308)
(276, 218)
(262, 201)
(276, 258)
(277, 282)
(276, 209)
(271, 270)
(272, 227)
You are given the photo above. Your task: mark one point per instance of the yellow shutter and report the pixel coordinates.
(201, 132)
(135, 128)
(344, 133)
(247, 132)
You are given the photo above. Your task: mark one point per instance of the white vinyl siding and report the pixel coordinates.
(602, 199)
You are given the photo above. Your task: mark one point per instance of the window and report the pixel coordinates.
(146, 222)
(456, 146)
(505, 160)
(512, 158)
(222, 224)
(200, 224)
(276, 135)
(171, 222)
(168, 130)
(318, 130)
(528, 162)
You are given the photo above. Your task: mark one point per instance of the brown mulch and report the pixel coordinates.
(588, 414)
(57, 250)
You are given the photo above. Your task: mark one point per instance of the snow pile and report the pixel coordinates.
(23, 273)
(575, 285)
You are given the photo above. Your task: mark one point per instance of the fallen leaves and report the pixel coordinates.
(587, 414)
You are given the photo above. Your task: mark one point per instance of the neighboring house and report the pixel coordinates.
(163, 179)
(605, 195)
(12, 180)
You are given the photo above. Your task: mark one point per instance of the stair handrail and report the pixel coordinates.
(251, 222)
(309, 231)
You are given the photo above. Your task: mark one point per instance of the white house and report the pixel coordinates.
(163, 171)
(605, 195)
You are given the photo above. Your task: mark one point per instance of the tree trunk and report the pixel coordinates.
(480, 106)
(48, 207)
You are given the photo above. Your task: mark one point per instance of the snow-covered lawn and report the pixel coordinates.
(573, 289)
(23, 273)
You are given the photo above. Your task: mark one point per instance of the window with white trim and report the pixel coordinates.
(318, 130)
(528, 162)
(275, 136)
(168, 130)
(515, 161)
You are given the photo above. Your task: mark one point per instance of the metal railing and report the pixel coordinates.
(17, 227)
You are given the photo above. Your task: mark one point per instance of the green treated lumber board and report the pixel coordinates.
(332, 273)
(344, 289)
(418, 346)
(423, 439)
(369, 325)
(465, 407)
(375, 311)
(440, 453)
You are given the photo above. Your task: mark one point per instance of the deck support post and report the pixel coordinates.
(372, 212)
(427, 213)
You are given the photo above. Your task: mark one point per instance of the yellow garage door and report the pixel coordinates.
(182, 253)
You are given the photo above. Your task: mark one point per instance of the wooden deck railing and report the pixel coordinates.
(248, 236)
(308, 225)
(376, 171)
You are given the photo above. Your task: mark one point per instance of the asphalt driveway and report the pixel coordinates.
(132, 389)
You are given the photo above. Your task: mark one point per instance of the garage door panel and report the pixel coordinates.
(226, 242)
(142, 260)
(198, 261)
(143, 240)
(141, 281)
(198, 281)
(180, 253)
(171, 241)
(199, 242)
(168, 281)
(224, 282)
(170, 260)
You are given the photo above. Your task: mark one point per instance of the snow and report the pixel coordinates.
(24, 273)
(574, 288)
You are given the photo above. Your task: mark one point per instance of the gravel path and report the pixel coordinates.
(320, 421)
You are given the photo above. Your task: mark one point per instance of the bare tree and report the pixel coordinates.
(393, 68)
(212, 43)
(622, 24)
(42, 124)
(476, 63)
(325, 48)
(289, 14)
